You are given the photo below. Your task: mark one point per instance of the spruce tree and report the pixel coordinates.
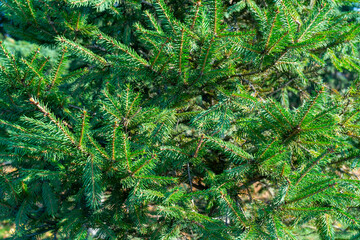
(180, 120)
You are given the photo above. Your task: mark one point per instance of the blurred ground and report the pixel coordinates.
(6, 229)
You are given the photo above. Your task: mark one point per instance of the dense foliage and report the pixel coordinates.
(180, 119)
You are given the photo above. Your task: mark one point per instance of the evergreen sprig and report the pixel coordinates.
(216, 120)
